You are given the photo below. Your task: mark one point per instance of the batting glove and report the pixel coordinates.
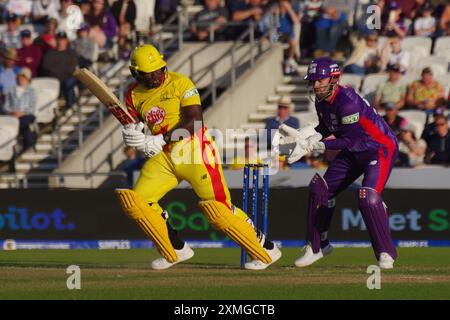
(148, 144)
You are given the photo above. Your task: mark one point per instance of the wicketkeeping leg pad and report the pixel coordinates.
(221, 218)
(150, 221)
(317, 200)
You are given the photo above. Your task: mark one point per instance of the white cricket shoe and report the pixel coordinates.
(183, 254)
(275, 255)
(309, 257)
(385, 261)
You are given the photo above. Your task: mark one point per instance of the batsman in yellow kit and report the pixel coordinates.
(168, 103)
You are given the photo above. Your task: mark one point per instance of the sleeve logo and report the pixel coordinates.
(353, 118)
(190, 93)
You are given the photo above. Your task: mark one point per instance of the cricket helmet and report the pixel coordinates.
(322, 68)
(319, 69)
(146, 58)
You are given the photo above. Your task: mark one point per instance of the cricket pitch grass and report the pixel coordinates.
(419, 273)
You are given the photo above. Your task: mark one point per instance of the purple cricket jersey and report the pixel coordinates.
(355, 124)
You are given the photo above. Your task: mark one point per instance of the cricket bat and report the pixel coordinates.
(99, 89)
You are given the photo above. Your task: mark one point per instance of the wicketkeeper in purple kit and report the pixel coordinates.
(368, 147)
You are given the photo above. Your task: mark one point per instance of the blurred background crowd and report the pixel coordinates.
(396, 55)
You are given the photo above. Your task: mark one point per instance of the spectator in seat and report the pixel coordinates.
(8, 72)
(252, 11)
(250, 155)
(393, 53)
(309, 13)
(47, 40)
(285, 106)
(85, 7)
(394, 23)
(69, 19)
(392, 118)
(329, 30)
(438, 151)
(21, 103)
(67, 61)
(21, 8)
(85, 47)
(393, 91)
(444, 23)
(42, 10)
(411, 150)
(30, 55)
(446, 31)
(316, 160)
(410, 8)
(133, 162)
(11, 36)
(430, 128)
(212, 13)
(164, 9)
(124, 11)
(366, 57)
(102, 23)
(425, 25)
(289, 29)
(424, 93)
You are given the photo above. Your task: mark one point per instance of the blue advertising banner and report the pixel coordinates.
(63, 218)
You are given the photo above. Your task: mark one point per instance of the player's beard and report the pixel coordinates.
(319, 94)
(152, 80)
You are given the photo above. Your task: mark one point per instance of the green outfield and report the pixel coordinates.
(420, 273)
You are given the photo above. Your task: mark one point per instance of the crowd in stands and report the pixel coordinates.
(36, 36)
(51, 38)
(410, 83)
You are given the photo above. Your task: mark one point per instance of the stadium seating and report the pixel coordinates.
(352, 80)
(382, 42)
(439, 65)
(414, 43)
(47, 92)
(409, 78)
(442, 46)
(370, 85)
(445, 81)
(417, 118)
(415, 57)
(145, 12)
(306, 118)
(9, 129)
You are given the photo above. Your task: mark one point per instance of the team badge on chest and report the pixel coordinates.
(155, 115)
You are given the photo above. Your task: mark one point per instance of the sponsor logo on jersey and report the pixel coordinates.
(164, 96)
(190, 93)
(155, 115)
(353, 118)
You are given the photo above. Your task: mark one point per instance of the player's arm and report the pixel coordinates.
(189, 116)
(322, 129)
(350, 129)
(190, 108)
(129, 102)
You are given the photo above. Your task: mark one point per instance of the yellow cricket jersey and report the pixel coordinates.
(160, 108)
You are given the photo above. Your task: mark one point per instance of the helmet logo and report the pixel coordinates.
(155, 115)
(312, 68)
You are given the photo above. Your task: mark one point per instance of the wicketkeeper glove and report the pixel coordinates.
(150, 145)
(296, 143)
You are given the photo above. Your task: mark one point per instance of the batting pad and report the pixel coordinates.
(221, 218)
(151, 222)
